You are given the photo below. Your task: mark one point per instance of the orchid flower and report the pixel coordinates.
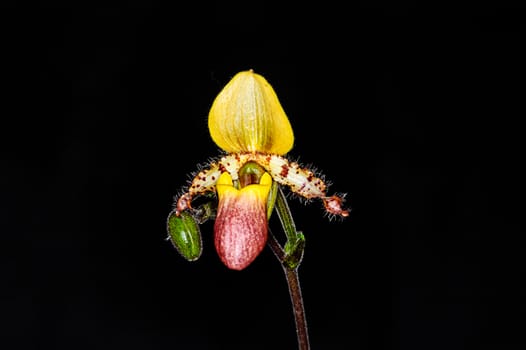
(246, 120)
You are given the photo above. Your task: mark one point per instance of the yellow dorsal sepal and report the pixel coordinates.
(246, 116)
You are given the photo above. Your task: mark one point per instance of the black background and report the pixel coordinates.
(413, 112)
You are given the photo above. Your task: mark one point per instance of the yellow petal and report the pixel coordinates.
(247, 116)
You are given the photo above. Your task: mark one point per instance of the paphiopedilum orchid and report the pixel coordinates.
(246, 120)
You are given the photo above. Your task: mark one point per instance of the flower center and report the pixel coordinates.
(250, 173)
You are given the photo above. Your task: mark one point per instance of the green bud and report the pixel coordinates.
(185, 235)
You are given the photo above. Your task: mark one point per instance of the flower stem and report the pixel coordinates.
(298, 308)
(290, 258)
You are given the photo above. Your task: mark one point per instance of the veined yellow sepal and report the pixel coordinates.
(246, 116)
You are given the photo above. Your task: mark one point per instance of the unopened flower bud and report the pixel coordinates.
(185, 235)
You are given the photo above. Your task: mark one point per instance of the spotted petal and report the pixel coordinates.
(241, 227)
(247, 116)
